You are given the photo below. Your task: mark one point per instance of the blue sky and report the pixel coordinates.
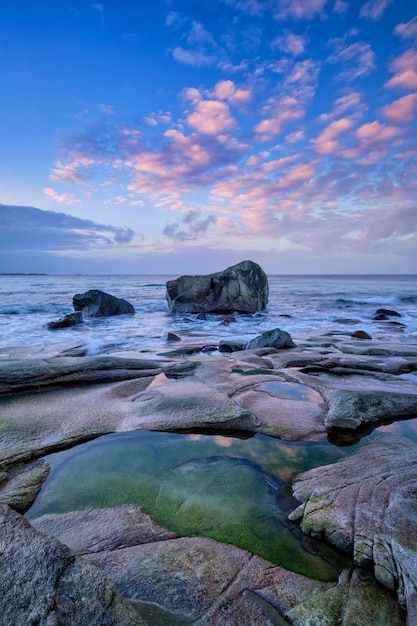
(175, 136)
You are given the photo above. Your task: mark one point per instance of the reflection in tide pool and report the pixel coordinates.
(230, 488)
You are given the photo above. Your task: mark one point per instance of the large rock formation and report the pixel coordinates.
(241, 288)
(96, 303)
(366, 504)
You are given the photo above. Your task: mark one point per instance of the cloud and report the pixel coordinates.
(193, 57)
(202, 49)
(195, 226)
(278, 113)
(401, 111)
(211, 117)
(327, 141)
(407, 30)
(340, 6)
(352, 102)
(357, 59)
(63, 198)
(290, 43)
(69, 172)
(404, 69)
(298, 9)
(374, 9)
(24, 228)
(107, 109)
(226, 90)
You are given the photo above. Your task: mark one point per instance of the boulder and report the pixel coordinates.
(275, 338)
(240, 288)
(96, 303)
(366, 505)
(44, 583)
(72, 319)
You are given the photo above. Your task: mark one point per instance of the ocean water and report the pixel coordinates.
(300, 305)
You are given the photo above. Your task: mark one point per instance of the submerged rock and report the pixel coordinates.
(96, 303)
(240, 288)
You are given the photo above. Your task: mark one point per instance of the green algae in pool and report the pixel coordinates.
(231, 489)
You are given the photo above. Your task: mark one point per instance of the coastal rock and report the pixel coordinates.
(240, 288)
(366, 504)
(72, 319)
(388, 313)
(361, 334)
(20, 484)
(38, 374)
(204, 582)
(42, 582)
(275, 338)
(96, 303)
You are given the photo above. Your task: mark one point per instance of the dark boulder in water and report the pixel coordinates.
(361, 334)
(388, 313)
(96, 303)
(240, 288)
(72, 319)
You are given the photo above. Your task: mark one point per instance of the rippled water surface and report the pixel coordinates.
(297, 304)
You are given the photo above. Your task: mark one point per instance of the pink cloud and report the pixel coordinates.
(407, 30)
(326, 142)
(211, 117)
(401, 111)
(358, 58)
(374, 8)
(295, 137)
(298, 9)
(70, 171)
(350, 102)
(404, 68)
(286, 109)
(63, 198)
(226, 90)
(290, 43)
(375, 132)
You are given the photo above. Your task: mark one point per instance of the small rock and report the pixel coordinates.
(227, 345)
(228, 320)
(173, 337)
(275, 338)
(72, 319)
(361, 334)
(388, 312)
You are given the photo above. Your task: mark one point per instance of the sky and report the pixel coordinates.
(183, 136)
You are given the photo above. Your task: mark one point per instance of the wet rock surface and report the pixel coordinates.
(307, 393)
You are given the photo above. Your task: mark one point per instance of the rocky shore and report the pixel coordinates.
(117, 566)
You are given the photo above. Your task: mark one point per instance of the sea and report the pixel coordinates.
(302, 305)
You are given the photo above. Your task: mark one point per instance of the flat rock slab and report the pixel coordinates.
(367, 504)
(200, 581)
(44, 583)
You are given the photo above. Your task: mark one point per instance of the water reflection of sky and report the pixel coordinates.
(235, 489)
